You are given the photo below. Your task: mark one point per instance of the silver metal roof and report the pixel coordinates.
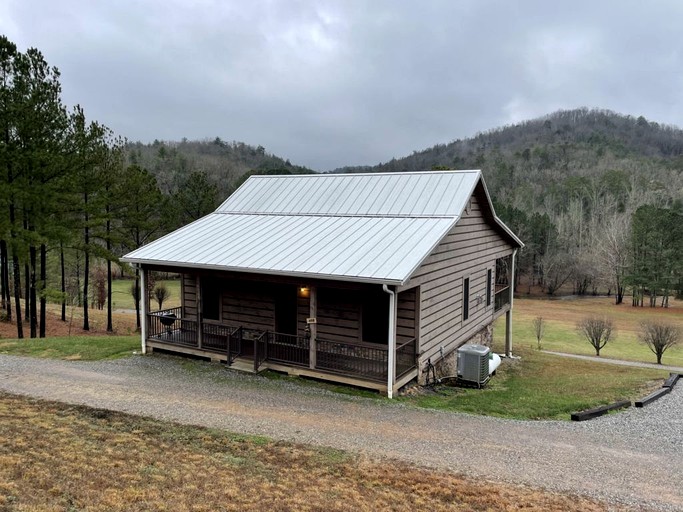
(414, 194)
(356, 227)
(368, 249)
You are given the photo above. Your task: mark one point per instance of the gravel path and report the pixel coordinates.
(621, 362)
(632, 458)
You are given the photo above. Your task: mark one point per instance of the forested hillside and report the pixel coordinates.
(576, 186)
(224, 163)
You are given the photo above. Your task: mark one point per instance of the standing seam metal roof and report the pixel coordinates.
(357, 227)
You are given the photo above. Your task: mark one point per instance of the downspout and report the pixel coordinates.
(143, 308)
(391, 345)
(508, 316)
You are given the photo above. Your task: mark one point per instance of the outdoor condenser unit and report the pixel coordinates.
(473, 364)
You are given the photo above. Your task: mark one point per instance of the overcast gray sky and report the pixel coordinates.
(333, 83)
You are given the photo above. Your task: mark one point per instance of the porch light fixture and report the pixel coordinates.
(304, 291)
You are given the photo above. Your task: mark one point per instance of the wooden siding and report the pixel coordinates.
(468, 251)
(405, 317)
(189, 297)
(249, 305)
(339, 314)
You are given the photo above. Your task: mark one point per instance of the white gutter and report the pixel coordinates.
(143, 309)
(391, 344)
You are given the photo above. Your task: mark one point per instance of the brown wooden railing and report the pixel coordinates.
(288, 349)
(215, 337)
(502, 297)
(354, 359)
(260, 350)
(406, 357)
(167, 326)
(365, 360)
(235, 344)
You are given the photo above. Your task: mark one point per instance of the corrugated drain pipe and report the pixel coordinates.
(391, 345)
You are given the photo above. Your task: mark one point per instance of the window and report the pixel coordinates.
(489, 278)
(465, 298)
(503, 281)
(211, 298)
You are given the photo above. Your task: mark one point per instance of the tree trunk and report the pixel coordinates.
(43, 285)
(27, 293)
(61, 263)
(17, 289)
(86, 324)
(4, 273)
(86, 270)
(32, 293)
(110, 327)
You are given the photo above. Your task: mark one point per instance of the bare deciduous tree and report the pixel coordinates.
(161, 293)
(659, 337)
(597, 330)
(613, 252)
(539, 329)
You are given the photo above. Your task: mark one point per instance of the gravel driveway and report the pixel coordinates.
(632, 458)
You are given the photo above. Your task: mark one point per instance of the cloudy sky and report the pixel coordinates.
(332, 83)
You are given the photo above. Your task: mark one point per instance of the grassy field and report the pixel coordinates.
(86, 348)
(121, 297)
(60, 457)
(561, 335)
(542, 386)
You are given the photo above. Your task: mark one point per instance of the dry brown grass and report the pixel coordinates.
(60, 457)
(571, 311)
(123, 323)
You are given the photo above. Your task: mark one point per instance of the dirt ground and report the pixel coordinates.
(123, 323)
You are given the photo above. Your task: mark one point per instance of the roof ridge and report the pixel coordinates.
(332, 215)
(350, 174)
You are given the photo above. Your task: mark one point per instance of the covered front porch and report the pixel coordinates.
(349, 333)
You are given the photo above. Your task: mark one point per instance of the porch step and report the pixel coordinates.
(242, 365)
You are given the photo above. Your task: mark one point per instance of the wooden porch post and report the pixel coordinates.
(145, 308)
(313, 328)
(200, 312)
(508, 314)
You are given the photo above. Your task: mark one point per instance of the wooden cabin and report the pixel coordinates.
(353, 278)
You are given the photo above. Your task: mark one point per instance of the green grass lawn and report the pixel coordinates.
(542, 386)
(122, 298)
(85, 348)
(561, 334)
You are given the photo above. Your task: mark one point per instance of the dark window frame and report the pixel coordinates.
(489, 284)
(465, 298)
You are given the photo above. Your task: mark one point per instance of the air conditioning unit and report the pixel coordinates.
(473, 364)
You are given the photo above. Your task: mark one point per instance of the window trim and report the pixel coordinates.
(465, 298)
(489, 284)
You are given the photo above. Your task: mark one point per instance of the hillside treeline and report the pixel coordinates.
(582, 188)
(223, 163)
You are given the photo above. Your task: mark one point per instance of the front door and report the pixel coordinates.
(285, 309)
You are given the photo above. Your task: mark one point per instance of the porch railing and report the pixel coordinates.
(355, 359)
(406, 357)
(168, 326)
(502, 298)
(215, 337)
(365, 360)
